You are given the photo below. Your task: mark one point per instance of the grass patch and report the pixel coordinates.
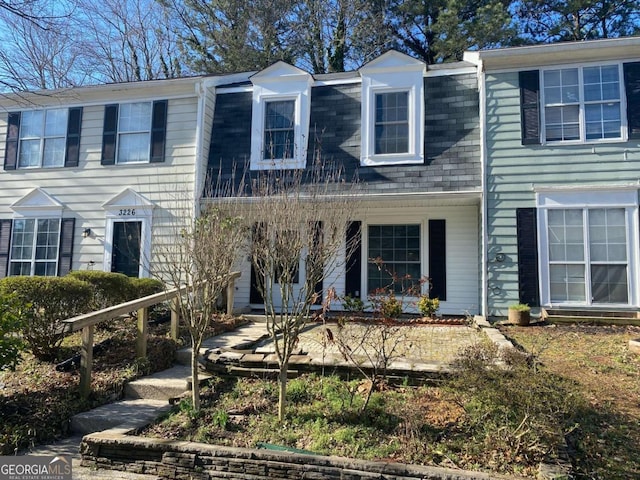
(485, 418)
(603, 442)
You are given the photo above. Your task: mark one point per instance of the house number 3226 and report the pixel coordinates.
(126, 212)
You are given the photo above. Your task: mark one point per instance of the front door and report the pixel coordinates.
(125, 248)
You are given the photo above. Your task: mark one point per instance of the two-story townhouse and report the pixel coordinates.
(94, 177)
(561, 136)
(409, 133)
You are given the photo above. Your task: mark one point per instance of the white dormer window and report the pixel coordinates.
(280, 118)
(392, 110)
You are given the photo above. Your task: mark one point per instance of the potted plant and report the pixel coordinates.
(520, 314)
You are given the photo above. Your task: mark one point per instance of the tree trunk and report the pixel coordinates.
(195, 384)
(282, 396)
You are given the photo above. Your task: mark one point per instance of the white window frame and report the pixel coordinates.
(280, 82)
(34, 260)
(625, 198)
(390, 73)
(121, 133)
(42, 138)
(581, 106)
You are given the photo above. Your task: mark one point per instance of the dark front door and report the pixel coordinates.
(125, 253)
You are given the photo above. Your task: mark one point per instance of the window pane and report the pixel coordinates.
(31, 124)
(609, 283)
(567, 283)
(401, 257)
(29, 153)
(54, 152)
(279, 130)
(135, 117)
(391, 123)
(133, 147)
(56, 123)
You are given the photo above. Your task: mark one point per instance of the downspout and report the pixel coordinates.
(202, 93)
(483, 174)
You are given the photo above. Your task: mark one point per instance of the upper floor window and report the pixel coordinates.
(43, 138)
(279, 130)
(134, 132)
(280, 117)
(582, 103)
(392, 110)
(392, 123)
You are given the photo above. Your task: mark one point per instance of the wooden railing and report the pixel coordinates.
(87, 322)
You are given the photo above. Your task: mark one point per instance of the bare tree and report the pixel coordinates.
(298, 242)
(199, 254)
(127, 40)
(37, 50)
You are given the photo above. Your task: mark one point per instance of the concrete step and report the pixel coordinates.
(163, 385)
(124, 414)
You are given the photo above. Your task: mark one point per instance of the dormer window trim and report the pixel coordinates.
(393, 72)
(280, 83)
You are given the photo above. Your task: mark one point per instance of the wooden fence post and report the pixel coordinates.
(231, 290)
(86, 360)
(175, 318)
(143, 333)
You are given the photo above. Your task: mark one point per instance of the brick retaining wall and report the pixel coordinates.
(114, 450)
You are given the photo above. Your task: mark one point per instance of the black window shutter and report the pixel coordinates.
(438, 259)
(158, 131)
(65, 255)
(317, 242)
(530, 106)
(528, 282)
(5, 242)
(109, 135)
(254, 293)
(353, 274)
(632, 86)
(11, 146)
(74, 126)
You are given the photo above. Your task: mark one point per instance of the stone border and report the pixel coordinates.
(634, 345)
(113, 449)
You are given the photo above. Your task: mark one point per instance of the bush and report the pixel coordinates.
(11, 323)
(142, 287)
(108, 288)
(47, 301)
(428, 306)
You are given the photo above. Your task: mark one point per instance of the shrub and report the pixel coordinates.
(352, 304)
(142, 287)
(428, 306)
(390, 306)
(48, 301)
(11, 322)
(108, 288)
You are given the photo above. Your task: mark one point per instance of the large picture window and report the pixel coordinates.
(43, 138)
(34, 246)
(393, 250)
(582, 104)
(588, 256)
